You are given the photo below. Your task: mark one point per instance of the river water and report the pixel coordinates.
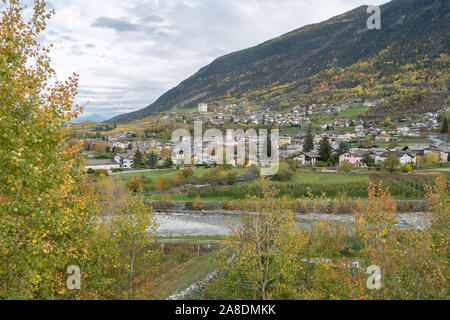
(201, 224)
(194, 224)
(217, 224)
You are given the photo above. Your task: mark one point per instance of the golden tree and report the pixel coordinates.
(257, 250)
(413, 261)
(45, 212)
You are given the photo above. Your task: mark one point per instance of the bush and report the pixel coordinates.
(432, 158)
(407, 168)
(163, 184)
(218, 176)
(198, 204)
(346, 167)
(101, 172)
(138, 184)
(188, 172)
(391, 164)
(252, 173)
(168, 163)
(321, 164)
(284, 174)
(231, 179)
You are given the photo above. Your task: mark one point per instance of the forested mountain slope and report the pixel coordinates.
(405, 62)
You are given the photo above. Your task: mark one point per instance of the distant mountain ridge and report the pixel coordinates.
(94, 118)
(332, 60)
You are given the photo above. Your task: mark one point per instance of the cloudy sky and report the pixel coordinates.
(129, 52)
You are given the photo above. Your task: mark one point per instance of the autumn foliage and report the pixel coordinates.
(268, 257)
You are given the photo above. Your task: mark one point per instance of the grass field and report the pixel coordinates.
(165, 173)
(407, 142)
(290, 130)
(353, 113)
(299, 177)
(169, 173)
(321, 178)
(331, 184)
(182, 276)
(181, 111)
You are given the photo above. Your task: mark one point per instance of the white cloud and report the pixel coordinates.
(129, 52)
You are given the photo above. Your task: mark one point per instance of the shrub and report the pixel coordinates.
(163, 184)
(231, 179)
(101, 172)
(321, 164)
(391, 164)
(252, 173)
(346, 167)
(137, 184)
(198, 204)
(188, 172)
(284, 174)
(432, 158)
(407, 168)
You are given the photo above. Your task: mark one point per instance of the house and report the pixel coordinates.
(382, 138)
(346, 137)
(417, 149)
(125, 160)
(317, 139)
(366, 147)
(403, 130)
(308, 158)
(285, 140)
(404, 157)
(355, 158)
(359, 130)
(441, 153)
(101, 165)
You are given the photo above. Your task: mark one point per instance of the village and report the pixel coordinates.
(352, 141)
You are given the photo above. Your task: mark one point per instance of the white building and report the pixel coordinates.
(125, 160)
(203, 107)
(308, 158)
(404, 157)
(355, 158)
(101, 165)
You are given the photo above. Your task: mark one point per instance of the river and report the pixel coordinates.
(194, 224)
(217, 224)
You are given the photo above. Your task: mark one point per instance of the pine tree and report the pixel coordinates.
(308, 143)
(325, 149)
(138, 160)
(152, 160)
(444, 128)
(168, 163)
(344, 147)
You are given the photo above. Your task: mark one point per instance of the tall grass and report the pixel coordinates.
(403, 188)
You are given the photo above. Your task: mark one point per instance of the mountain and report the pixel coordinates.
(404, 64)
(94, 118)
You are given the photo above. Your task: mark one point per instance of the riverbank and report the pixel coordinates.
(331, 207)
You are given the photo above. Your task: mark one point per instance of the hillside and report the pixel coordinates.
(403, 63)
